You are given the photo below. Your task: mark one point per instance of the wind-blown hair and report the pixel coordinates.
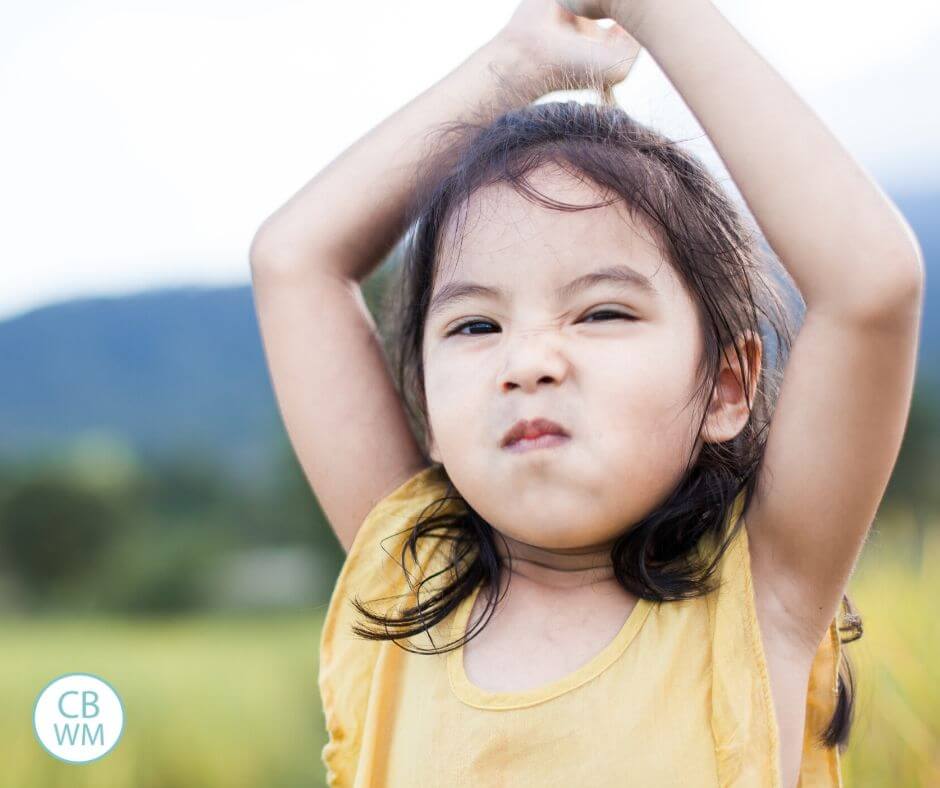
(738, 288)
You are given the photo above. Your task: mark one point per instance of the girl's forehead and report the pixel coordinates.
(500, 235)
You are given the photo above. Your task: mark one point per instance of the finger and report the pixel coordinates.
(589, 28)
(592, 9)
(621, 62)
(619, 71)
(618, 32)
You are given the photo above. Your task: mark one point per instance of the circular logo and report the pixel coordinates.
(78, 717)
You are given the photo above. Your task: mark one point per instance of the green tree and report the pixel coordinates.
(53, 530)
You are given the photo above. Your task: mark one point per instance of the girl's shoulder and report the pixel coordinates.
(374, 563)
(373, 573)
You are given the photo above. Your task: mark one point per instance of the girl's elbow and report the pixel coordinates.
(896, 300)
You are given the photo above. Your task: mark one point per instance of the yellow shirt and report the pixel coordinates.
(680, 697)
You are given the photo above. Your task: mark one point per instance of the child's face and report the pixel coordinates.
(618, 387)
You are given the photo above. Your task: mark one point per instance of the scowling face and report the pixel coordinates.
(576, 317)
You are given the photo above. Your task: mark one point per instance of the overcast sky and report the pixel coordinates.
(143, 143)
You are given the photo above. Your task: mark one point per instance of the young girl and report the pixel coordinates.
(549, 580)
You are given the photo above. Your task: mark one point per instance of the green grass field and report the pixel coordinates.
(233, 702)
(896, 739)
(207, 701)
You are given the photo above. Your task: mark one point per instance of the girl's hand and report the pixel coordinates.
(572, 52)
(628, 13)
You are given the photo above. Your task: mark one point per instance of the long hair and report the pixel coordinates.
(738, 288)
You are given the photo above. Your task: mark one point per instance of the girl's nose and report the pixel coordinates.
(531, 361)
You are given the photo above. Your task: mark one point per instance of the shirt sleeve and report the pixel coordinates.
(371, 572)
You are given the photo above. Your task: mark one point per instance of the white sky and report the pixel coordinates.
(142, 143)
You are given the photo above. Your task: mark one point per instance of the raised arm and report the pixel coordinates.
(846, 393)
(342, 413)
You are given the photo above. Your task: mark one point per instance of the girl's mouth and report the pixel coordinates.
(541, 442)
(529, 430)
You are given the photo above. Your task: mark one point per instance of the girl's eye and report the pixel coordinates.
(622, 315)
(470, 323)
(459, 329)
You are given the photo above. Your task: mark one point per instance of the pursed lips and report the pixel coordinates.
(532, 431)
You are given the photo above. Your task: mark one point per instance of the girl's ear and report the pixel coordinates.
(728, 409)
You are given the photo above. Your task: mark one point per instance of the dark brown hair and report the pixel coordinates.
(739, 290)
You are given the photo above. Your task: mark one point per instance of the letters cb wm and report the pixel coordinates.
(78, 717)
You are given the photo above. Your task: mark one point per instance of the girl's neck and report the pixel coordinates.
(558, 567)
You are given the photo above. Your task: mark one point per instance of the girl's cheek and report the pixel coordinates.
(444, 362)
(447, 394)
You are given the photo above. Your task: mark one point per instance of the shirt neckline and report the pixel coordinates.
(486, 699)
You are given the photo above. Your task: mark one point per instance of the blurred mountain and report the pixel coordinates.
(166, 371)
(182, 369)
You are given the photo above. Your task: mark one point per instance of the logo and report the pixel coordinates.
(78, 717)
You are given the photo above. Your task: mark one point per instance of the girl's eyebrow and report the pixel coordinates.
(619, 274)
